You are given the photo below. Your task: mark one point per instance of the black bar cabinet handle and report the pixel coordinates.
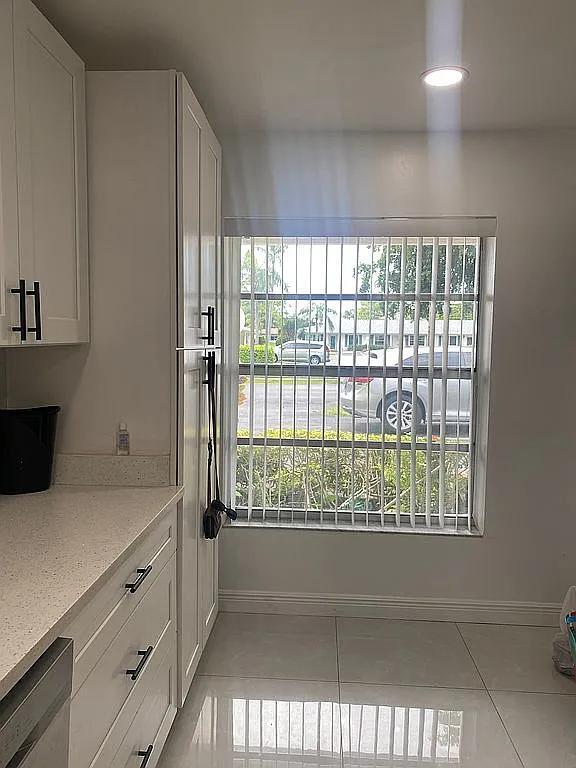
(141, 664)
(37, 311)
(21, 329)
(133, 586)
(146, 755)
(210, 312)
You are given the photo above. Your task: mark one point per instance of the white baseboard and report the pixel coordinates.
(373, 606)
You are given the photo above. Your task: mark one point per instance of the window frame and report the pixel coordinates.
(481, 401)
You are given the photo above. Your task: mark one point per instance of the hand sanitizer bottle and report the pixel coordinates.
(123, 440)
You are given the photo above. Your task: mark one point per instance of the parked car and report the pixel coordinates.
(365, 395)
(298, 351)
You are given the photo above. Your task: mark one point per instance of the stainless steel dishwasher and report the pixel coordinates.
(35, 714)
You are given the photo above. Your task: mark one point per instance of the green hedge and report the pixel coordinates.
(260, 351)
(331, 478)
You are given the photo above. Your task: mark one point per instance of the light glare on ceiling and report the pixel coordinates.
(442, 77)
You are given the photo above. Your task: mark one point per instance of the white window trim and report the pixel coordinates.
(481, 411)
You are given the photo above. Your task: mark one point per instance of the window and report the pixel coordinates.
(409, 340)
(329, 437)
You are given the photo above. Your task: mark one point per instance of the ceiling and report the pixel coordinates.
(343, 64)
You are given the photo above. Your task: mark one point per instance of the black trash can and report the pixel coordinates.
(27, 448)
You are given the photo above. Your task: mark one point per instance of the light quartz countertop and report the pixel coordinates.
(56, 549)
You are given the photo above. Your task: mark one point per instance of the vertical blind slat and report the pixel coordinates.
(267, 331)
(251, 417)
(384, 363)
(294, 382)
(281, 380)
(445, 342)
(325, 342)
(367, 500)
(400, 381)
(415, 411)
(471, 423)
(337, 468)
(307, 487)
(431, 356)
(353, 473)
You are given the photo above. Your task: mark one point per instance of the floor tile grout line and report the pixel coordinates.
(346, 682)
(506, 731)
(476, 667)
(244, 676)
(505, 727)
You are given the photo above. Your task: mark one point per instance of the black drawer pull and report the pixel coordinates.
(141, 664)
(146, 755)
(143, 573)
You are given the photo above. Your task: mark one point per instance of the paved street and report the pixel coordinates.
(306, 403)
(308, 408)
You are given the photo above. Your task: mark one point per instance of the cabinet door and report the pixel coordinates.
(9, 266)
(210, 215)
(51, 166)
(210, 165)
(190, 510)
(199, 172)
(188, 173)
(199, 179)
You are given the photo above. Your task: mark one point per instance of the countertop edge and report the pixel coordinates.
(23, 665)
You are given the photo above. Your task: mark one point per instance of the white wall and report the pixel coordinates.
(528, 181)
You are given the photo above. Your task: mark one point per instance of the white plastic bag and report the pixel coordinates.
(561, 654)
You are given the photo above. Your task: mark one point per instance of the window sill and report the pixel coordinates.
(357, 528)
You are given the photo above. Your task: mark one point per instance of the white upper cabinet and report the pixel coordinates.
(9, 259)
(48, 112)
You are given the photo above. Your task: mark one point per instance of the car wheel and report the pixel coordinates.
(406, 412)
(315, 360)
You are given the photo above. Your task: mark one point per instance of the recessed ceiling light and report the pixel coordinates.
(441, 77)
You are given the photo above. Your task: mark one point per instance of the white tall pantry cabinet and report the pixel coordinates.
(198, 192)
(154, 193)
(43, 228)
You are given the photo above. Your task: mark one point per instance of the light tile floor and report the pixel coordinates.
(305, 692)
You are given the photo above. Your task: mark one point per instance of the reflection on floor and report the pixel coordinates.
(297, 691)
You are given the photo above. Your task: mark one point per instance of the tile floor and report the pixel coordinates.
(305, 692)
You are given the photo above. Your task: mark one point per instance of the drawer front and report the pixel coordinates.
(149, 730)
(108, 688)
(95, 628)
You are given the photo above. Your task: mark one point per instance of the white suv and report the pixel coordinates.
(364, 395)
(302, 352)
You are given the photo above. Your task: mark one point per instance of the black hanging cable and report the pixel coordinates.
(212, 520)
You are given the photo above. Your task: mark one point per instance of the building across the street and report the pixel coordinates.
(349, 334)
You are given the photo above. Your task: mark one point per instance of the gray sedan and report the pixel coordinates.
(365, 396)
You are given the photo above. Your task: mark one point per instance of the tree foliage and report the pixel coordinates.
(383, 274)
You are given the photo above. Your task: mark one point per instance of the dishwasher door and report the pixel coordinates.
(35, 715)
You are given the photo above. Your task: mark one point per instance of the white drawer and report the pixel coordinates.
(149, 730)
(101, 620)
(108, 689)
